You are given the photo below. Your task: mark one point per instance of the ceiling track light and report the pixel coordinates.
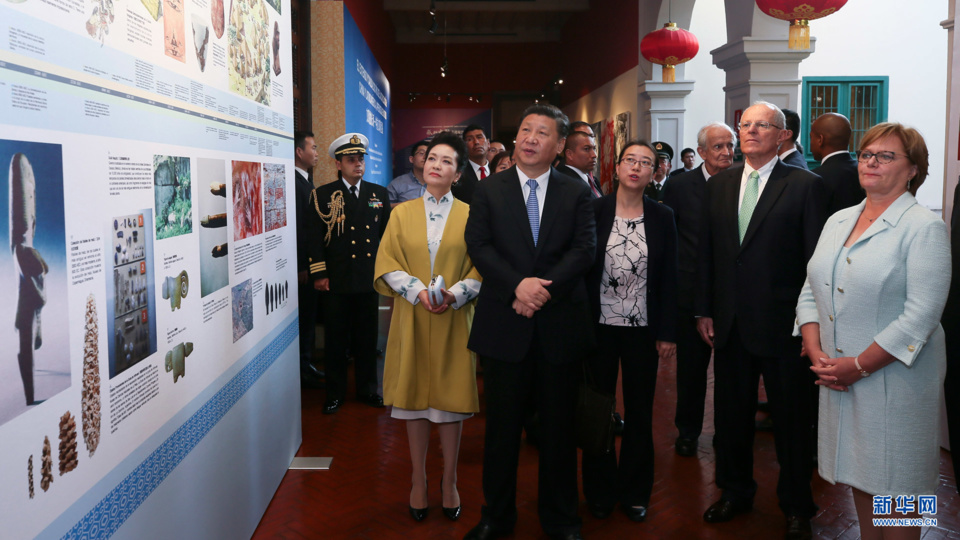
(433, 8)
(433, 26)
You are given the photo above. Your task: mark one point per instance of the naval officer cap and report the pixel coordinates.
(349, 144)
(663, 150)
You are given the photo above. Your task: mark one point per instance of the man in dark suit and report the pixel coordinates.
(532, 236)
(685, 194)
(687, 157)
(478, 166)
(951, 327)
(305, 157)
(580, 158)
(829, 143)
(790, 152)
(761, 225)
(347, 218)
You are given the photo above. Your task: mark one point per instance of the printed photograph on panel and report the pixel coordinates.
(131, 308)
(274, 197)
(242, 307)
(216, 17)
(34, 362)
(153, 7)
(101, 17)
(214, 269)
(247, 200)
(171, 192)
(201, 38)
(174, 36)
(275, 4)
(596, 168)
(248, 50)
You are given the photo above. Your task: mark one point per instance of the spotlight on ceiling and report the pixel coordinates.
(433, 26)
(433, 8)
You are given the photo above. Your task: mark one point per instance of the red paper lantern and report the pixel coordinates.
(669, 46)
(799, 13)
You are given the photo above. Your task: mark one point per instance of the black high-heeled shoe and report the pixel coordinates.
(452, 514)
(418, 514)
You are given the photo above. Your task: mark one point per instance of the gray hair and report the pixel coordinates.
(702, 134)
(781, 118)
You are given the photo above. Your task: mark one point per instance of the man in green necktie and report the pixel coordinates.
(761, 225)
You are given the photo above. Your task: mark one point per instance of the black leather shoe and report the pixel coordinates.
(372, 400)
(725, 510)
(418, 514)
(452, 514)
(685, 447)
(599, 511)
(635, 513)
(798, 528)
(485, 531)
(567, 536)
(617, 424)
(332, 406)
(309, 380)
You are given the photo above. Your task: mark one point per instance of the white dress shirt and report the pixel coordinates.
(542, 182)
(476, 168)
(831, 154)
(764, 172)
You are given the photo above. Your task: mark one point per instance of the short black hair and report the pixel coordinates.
(550, 111)
(300, 138)
(792, 123)
(497, 159)
(413, 149)
(474, 127)
(639, 142)
(578, 123)
(686, 151)
(454, 141)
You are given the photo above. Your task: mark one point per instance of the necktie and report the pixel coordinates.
(749, 203)
(533, 210)
(483, 172)
(656, 186)
(593, 185)
(353, 191)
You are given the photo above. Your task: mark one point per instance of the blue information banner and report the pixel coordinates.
(367, 101)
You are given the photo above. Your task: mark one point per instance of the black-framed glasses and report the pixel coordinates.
(763, 126)
(645, 163)
(882, 157)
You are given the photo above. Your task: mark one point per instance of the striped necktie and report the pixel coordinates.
(533, 210)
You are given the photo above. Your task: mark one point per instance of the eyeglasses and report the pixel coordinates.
(630, 162)
(763, 126)
(422, 152)
(882, 157)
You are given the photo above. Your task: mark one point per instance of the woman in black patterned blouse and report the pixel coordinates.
(633, 288)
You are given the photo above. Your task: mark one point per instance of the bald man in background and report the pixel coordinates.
(829, 144)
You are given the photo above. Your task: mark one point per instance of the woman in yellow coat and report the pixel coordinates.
(429, 376)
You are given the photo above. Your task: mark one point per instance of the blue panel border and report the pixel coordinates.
(112, 511)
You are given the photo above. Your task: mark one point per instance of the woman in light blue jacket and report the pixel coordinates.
(869, 315)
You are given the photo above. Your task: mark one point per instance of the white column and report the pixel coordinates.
(760, 69)
(664, 105)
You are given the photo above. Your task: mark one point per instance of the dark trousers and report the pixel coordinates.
(507, 386)
(693, 359)
(787, 381)
(633, 350)
(307, 299)
(951, 393)
(350, 320)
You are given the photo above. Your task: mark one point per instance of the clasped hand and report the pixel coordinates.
(531, 294)
(448, 299)
(834, 373)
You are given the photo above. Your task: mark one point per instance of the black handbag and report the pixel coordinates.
(594, 422)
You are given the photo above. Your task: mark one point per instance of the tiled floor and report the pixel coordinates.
(365, 493)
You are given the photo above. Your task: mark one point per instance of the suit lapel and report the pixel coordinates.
(771, 192)
(730, 202)
(549, 214)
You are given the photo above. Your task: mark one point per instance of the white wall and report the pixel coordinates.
(882, 38)
(611, 99)
(705, 104)
(909, 46)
